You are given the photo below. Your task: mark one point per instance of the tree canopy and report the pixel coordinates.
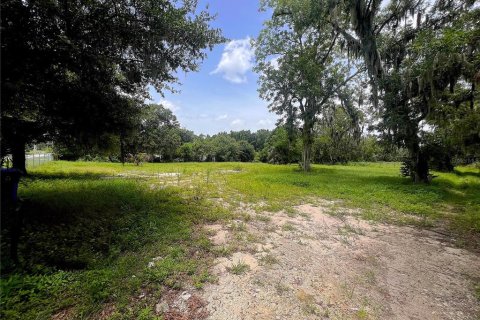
(301, 68)
(421, 59)
(78, 69)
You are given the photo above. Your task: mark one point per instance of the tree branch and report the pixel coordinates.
(329, 49)
(345, 34)
(341, 85)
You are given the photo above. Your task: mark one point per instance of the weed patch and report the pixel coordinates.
(239, 268)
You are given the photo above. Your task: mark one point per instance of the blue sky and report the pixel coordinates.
(222, 95)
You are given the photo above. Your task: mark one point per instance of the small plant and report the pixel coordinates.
(288, 227)
(308, 301)
(268, 260)
(147, 314)
(223, 251)
(291, 212)
(349, 229)
(263, 218)
(337, 212)
(238, 226)
(246, 217)
(349, 289)
(203, 277)
(270, 228)
(252, 237)
(477, 291)
(362, 314)
(239, 268)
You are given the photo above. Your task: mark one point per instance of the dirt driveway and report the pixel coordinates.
(311, 265)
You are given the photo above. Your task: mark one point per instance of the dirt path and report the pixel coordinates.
(315, 266)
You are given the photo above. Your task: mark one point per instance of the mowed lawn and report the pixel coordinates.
(91, 229)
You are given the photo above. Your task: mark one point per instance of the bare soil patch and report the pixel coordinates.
(312, 265)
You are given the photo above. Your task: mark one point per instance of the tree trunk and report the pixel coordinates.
(421, 168)
(18, 156)
(307, 138)
(122, 148)
(306, 154)
(419, 163)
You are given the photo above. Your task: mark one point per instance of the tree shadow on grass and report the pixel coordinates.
(77, 221)
(87, 240)
(66, 175)
(467, 173)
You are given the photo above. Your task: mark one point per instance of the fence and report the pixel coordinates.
(36, 159)
(31, 160)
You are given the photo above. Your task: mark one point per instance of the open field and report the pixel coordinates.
(106, 241)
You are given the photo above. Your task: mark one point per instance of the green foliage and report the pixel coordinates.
(35, 290)
(156, 133)
(74, 71)
(279, 148)
(301, 69)
(335, 139)
(221, 147)
(225, 148)
(477, 291)
(420, 71)
(247, 151)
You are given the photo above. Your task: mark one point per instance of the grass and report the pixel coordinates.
(288, 227)
(376, 188)
(239, 268)
(268, 260)
(362, 314)
(87, 241)
(263, 218)
(91, 229)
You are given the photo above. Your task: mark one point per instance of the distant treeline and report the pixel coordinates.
(158, 137)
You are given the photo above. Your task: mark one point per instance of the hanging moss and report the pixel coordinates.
(353, 16)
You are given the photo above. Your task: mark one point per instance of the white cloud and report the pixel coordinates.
(222, 117)
(169, 105)
(236, 61)
(236, 123)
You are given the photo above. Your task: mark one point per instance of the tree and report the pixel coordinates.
(300, 73)
(403, 78)
(70, 69)
(336, 137)
(225, 148)
(158, 133)
(185, 152)
(279, 149)
(261, 137)
(243, 135)
(246, 152)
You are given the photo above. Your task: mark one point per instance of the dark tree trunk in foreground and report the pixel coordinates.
(18, 155)
(421, 168)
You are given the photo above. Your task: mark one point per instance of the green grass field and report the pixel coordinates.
(91, 230)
